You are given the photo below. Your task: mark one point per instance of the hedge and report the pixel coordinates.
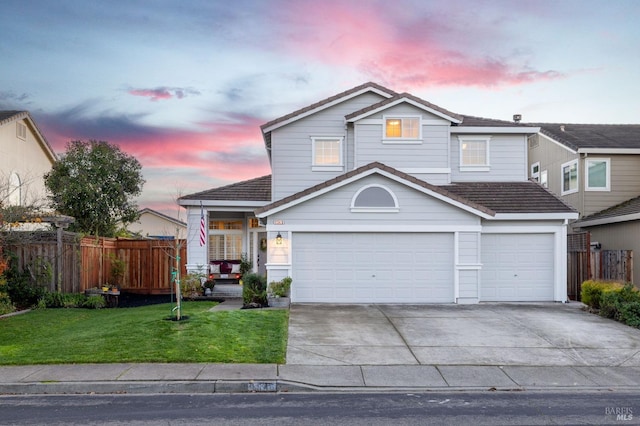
(613, 300)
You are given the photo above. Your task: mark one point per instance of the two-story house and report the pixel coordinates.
(25, 156)
(382, 197)
(595, 168)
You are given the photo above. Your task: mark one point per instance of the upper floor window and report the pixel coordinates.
(402, 128)
(598, 174)
(569, 177)
(374, 198)
(327, 153)
(474, 153)
(544, 179)
(535, 171)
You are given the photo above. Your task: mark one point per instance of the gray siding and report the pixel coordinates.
(507, 160)
(625, 176)
(625, 183)
(416, 209)
(291, 155)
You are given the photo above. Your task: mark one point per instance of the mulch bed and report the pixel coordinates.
(133, 300)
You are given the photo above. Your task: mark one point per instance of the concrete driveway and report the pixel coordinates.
(543, 334)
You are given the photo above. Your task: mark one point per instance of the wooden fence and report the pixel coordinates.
(87, 261)
(585, 264)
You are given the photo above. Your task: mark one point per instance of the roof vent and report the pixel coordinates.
(517, 118)
(562, 127)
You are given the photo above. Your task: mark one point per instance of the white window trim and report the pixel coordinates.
(570, 191)
(545, 182)
(535, 175)
(355, 209)
(586, 175)
(407, 141)
(328, 168)
(477, 167)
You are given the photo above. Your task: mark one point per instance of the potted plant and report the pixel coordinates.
(278, 293)
(208, 287)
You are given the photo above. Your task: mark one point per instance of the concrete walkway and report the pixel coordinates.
(389, 348)
(234, 378)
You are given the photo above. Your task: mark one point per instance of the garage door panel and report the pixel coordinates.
(517, 267)
(373, 268)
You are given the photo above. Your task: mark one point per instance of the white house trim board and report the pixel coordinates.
(408, 101)
(493, 130)
(534, 216)
(609, 220)
(608, 151)
(219, 203)
(325, 106)
(374, 228)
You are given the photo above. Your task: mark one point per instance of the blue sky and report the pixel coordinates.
(184, 85)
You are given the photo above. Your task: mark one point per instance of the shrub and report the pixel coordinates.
(191, 285)
(254, 289)
(591, 293)
(62, 300)
(23, 291)
(95, 301)
(630, 314)
(280, 288)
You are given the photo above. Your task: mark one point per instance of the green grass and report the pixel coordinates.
(56, 336)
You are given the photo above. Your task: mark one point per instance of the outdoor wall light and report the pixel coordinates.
(278, 239)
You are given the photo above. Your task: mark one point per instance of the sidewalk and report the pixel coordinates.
(237, 378)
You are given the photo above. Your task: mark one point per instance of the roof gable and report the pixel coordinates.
(404, 98)
(162, 216)
(10, 116)
(326, 103)
(361, 172)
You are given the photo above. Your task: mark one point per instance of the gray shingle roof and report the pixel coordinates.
(471, 121)
(629, 207)
(8, 115)
(576, 136)
(257, 189)
(510, 197)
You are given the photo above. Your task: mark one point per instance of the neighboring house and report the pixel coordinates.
(153, 224)
(382, 197)
(595, 168)
(25, 156)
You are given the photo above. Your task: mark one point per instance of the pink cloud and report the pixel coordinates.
(407, 51)
(163, 92)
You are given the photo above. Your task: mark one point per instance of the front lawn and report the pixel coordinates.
(143, 334)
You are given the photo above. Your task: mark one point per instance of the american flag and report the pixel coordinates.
(203, 228)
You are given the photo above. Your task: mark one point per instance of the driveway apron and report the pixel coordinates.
(518, 334)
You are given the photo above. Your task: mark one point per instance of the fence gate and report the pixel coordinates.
(585, 264)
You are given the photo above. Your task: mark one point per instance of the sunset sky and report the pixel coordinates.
(184, 85)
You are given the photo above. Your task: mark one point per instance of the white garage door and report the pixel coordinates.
(517, 267)
(372, 268)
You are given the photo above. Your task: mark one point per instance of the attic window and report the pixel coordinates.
(374, 198)
(21, 131)
(402, 128)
